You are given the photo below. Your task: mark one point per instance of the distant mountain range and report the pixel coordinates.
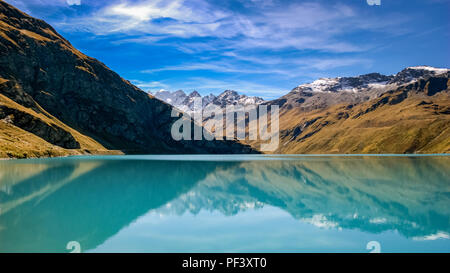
(185, 102)
(370, 84)
(373, 80)
(54, 100)
(325, 92)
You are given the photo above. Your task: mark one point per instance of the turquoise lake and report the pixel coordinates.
(233, 203)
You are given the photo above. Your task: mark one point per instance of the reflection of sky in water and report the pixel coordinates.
(225, 204)
(262, 230)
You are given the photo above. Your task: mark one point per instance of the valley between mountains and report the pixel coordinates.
(56, 101)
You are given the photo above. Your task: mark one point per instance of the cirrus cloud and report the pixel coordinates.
(73, 2)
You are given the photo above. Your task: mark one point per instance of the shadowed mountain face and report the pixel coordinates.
(47, 203)
(44, 73)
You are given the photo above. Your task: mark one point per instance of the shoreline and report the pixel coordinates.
(234, 155)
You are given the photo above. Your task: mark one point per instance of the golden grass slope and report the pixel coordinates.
(418, 124)
(18, 143)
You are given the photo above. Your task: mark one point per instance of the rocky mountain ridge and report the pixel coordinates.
(185, 102)
(372, 80)
(326, 92)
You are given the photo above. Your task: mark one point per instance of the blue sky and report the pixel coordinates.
(256, 47)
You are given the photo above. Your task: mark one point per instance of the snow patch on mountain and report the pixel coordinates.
(415, 73)
(346, 84)
(185, 102)
(373, 80)
(437, 71)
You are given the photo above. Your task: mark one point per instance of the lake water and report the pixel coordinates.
(233, 203)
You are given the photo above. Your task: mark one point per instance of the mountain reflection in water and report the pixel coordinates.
(45, 203)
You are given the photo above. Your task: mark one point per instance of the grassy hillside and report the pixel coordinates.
(17, 142)
(407, 120)
(414, 118)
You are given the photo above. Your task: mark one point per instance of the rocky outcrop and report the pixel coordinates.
(49, 132)
(428, 87)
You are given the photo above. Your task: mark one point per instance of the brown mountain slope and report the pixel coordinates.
(27, 133)
(414, 118)
(91, 107)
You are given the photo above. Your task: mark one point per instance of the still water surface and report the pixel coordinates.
(214, 203)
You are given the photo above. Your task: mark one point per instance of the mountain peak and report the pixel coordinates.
(194, 94)
(349, 84)
(227, 97)
(416, 72)
(229, 94)
(429, 68)
(179, 92)
(361, 82)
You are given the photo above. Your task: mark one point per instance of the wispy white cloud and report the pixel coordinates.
(287, 67)
(150, 85)
(257, 39)
(432, 237)
(73, 2)
(331, 63)
(206, 85)
(177, 18)
(236, 64)
(25, 4)
(249, 88)
(299, 25)
(218, 66)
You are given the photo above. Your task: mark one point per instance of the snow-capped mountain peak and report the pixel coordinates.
(231, 97)
(435, 70)
(416, 72)
(229, 94)
(208, 99)
(185, 102)
(372, 80)
(348, 84)
(173, 98)
(194, 94)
